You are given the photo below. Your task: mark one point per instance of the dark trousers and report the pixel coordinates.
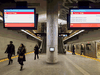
(9, 57)
(73, 53)
(37, 56)
(82, 52)
(21, 62)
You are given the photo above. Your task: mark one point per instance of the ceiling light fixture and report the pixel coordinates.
(62, 21)
(1, 18)
(74, 34)
(29, 34)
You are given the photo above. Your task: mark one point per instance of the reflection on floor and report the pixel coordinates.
(67, 65)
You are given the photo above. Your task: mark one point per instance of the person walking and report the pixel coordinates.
(73, 50)
(10, 50)
(36, 51)
(21, 55)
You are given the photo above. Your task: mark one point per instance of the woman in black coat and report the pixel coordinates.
(36, 51)
(21, 55)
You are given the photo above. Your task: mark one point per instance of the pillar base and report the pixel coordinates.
(52, 62)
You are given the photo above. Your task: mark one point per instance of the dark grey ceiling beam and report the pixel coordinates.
(70, 1)
(33, 4)
(76, 4)
(75, 1)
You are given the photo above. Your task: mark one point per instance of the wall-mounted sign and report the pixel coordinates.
(79, 18)
(20, 18)
(52, 49)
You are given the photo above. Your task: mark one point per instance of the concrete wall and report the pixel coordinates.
(44, 44)
(90, 36)
(17, 38)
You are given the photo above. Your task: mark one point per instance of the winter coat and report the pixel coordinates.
(21, 52)
(10, 49)
(36, 49)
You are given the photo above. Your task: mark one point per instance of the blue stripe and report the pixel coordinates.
(85, 10)
(19, 10)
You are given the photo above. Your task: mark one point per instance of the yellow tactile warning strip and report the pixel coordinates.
(86, 56)
(15, 56)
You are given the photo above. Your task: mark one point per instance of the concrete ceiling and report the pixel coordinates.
(63, 10)
(41, 9)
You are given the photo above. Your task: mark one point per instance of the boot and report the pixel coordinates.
(21, 68)
(9, 62)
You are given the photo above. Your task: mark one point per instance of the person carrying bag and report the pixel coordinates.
(21, 55)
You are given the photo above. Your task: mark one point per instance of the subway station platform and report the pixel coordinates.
(68, 65)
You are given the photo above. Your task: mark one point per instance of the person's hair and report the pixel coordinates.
(11, 42)
(22, 45)
(36, 45)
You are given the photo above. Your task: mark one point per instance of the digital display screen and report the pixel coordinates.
(81, 18)
(19, 17)
(52, 49)
(62, 35)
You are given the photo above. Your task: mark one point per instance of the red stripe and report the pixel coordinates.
(19, 25)
(85, 25)
(86, 12)
(19, 13)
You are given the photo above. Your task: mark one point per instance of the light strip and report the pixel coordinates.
(75, 1)
(74, 34)
(62, 21)
(29, 34)
(1, 18)
(70, 1)
(34, 31)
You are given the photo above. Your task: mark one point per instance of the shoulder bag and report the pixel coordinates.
(21, 56)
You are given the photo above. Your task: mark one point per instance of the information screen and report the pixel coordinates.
(83, 18)
(62, 35)
(19, 18)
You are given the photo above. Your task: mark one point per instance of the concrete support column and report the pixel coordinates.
(60, 45)
(43, 44)
(52, 31)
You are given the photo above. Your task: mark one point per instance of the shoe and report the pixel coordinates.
(9, 64)
(11, 61)
(20, 69)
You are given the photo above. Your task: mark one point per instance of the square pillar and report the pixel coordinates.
(52, 31)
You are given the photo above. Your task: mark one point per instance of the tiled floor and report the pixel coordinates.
(67, 65)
